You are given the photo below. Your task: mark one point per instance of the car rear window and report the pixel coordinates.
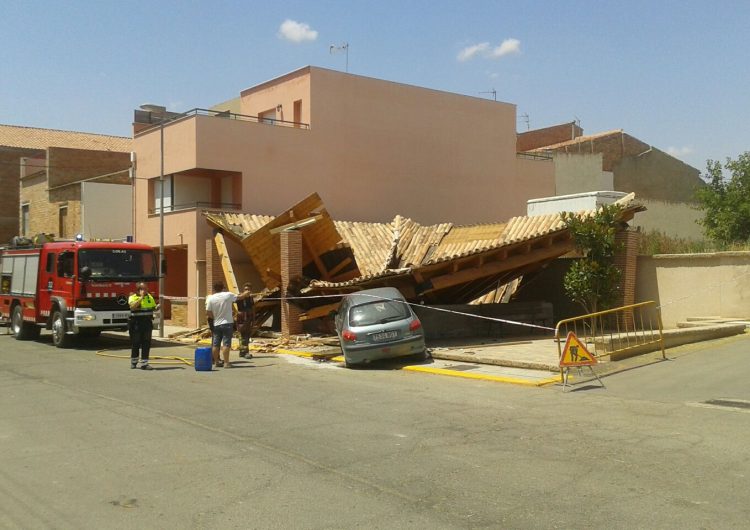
(378, 312)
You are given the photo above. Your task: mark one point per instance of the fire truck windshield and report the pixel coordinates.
(118, 264)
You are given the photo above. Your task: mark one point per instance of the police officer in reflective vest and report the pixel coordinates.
(141, 324)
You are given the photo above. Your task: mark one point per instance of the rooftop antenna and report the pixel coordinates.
(343, 48)
(525, 118)
(493, 92)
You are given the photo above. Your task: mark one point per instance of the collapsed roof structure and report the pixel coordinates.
(437, 264)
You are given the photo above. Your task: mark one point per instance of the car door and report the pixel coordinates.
(47, 270)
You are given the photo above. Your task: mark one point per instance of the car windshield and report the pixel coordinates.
(118, 264)
(378, 312)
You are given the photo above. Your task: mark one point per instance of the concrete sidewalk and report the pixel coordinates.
(534, 352)
(531, 360)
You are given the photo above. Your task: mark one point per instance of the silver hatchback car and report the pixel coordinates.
(378, 324)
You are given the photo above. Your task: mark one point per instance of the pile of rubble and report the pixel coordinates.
(266, 341)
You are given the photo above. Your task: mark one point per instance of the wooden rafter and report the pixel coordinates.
(340, 266)
(318, 262)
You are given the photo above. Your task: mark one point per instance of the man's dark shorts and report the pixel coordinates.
(222, 335)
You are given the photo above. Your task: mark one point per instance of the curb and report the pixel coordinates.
(481, 377)
(434, 371)
(478, 359)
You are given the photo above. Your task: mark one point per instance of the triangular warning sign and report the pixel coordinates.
(575, 353)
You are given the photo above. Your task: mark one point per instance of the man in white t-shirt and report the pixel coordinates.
(219, 313)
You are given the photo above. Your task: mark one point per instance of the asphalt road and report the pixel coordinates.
(278, 442)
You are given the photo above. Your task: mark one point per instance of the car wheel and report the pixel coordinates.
(22, 330)
(59, 337)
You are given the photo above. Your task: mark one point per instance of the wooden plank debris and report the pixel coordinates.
(319, 311)
(226, 264)
(319, 238)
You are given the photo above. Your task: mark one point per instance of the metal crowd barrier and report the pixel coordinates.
(616, 333)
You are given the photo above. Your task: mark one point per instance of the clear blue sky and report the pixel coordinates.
(675, 74)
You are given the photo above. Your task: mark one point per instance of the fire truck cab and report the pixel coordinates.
(74, 288)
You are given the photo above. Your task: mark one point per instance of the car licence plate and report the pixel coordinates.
(120, 315)
(384, 335)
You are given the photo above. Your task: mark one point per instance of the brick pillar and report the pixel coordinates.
(291, 268)
(625, 260)
(214, 272)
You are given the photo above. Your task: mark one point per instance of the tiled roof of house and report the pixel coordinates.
(34, 138)
(422, 246)
(370, 242)
(403, 246)
(241, 224)
(579, 140)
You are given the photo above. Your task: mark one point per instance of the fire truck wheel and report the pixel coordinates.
(59, 337)
(22, 330)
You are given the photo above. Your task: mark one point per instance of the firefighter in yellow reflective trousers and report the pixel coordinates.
(141, 324)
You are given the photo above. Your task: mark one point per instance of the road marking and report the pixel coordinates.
(438, 371)
(481, 377)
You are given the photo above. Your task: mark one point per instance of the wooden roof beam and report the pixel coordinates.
(497, 267)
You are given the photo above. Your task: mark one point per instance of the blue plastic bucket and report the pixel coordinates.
(203, 360)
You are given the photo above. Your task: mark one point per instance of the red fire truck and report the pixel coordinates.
(72, 287)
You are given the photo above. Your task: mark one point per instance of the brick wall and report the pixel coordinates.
(178, 313)
(44, 206)
(34, 193)
(10, 210)
(658, 176)
(72, 165)
(547, 136)
(46, 192)
(626, 261)
(613, 148)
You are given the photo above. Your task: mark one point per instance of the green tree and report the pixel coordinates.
(726, 202)
(593, 280)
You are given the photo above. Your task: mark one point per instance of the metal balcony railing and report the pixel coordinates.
(534, 156)
(149, 118)
(195, 205)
